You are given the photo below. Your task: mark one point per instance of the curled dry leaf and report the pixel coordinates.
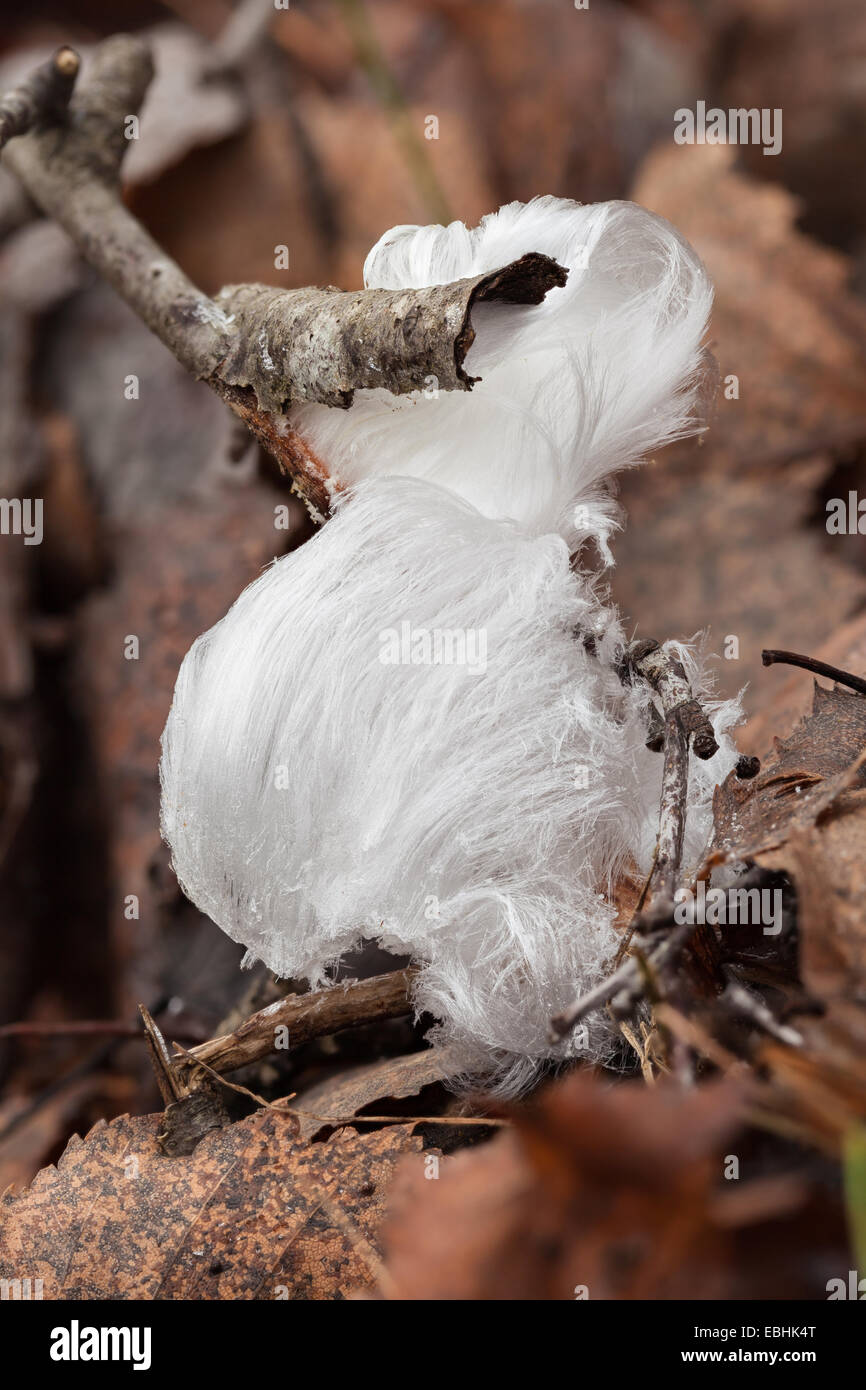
(806, 773)
(805, 816)
(252, 1214)
(601, 1192)
(340, 1098)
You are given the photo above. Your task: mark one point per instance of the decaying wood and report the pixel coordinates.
(655, 663)
(655, 945)
(322, 345)
(42, 98)
(305, 1016)
(257, 347)
(190, 1082)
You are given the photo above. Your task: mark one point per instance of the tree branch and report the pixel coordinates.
(259, 348)
(305, 1016)
(41, 98)
(322, 345)
(818, 668)
(682, 721)
(654, 663)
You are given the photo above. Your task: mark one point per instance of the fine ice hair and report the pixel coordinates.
(315, 795)
(602, 373)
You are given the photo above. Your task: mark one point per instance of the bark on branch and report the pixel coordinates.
(324, 345)
(258, 347)
(681, 721)
(305, 1016)
(42, 98)
(659, 939)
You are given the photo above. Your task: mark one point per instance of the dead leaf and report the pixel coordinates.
(252, 1214)
(806, 60)
(599, 1187)
(186, 105)
(729, 533)
(805, 774)
(602, 1192)
(804, 816)
(349, 1093)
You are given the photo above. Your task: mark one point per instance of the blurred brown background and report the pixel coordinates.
(307, 129)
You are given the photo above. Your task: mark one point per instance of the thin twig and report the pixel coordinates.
(818, 668)
(41, 98)
(171, 1086)
(345, 1121)
(636, 915)
(82, 1028)
(627, 985)
(595, 998)
(739, 1000)
(656, 663)
(306, 1016)
(649, 967)
(665, 873)
(696, 1037)
(684, 722)
(259, 348)
(280, 1107)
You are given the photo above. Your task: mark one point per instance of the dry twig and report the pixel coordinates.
(41, 99)
(683, 721)
(818, 668)
(305, 1016)
(259, 348)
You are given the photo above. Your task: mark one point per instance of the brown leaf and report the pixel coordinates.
(609, 83)
(604, 1187)
(341, 1097)
(725, 534)
(252, 1214)
(30, 1138)
(805, 816)
(788, 693)
(805, 774)
(783, 319)
(828, 866)
(187, 104)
